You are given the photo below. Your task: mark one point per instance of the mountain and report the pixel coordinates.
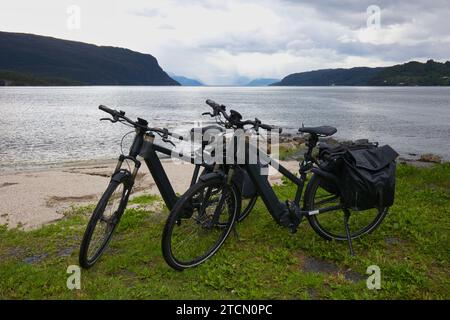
(328, 77)
(414, 73)
(241, 81)
(411, 73)
(10, 78)
(186, 81)
(49, 59)
(261, 82)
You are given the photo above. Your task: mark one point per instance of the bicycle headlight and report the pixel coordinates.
(149, 138)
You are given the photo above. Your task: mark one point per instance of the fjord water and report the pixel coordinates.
(40, 126)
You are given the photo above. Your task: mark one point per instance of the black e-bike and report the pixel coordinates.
(113, 202)
(202, 218)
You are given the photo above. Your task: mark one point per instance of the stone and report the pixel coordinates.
(429, 157)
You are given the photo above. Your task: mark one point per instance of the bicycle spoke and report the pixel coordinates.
(106, 222)
(329, 221)
(327, 200)
(329, 209)
(198, 234)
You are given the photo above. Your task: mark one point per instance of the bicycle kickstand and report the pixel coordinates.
(235, 232)
(347, 231)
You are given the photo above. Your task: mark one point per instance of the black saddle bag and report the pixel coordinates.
(243, 180)
(365, 174)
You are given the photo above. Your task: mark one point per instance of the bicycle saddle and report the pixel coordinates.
(320, 131)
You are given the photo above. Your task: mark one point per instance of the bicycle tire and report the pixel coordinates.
(176, 218)
(309, 201)
(248, 208)
(86, 259)
(245, 209)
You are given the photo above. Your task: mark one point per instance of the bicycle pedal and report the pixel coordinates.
(292, 229)
(295, 214)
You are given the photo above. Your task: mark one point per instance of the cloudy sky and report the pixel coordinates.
(228, 42)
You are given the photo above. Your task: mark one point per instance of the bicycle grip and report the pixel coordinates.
(213, 104)
(106, 109)
(271, 128)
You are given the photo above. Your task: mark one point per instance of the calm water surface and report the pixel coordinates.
(43, 126)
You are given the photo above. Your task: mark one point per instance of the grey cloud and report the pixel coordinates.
(400, 53)
(243, 43)
(352, 13)
(313, 30)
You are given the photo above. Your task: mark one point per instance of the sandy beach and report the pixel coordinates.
(32, 198)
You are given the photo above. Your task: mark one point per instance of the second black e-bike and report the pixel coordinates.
(114, 200)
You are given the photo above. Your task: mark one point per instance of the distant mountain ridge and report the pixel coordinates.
(261, 82)
(185, 81)
(27, 59)
(33, 57)
(412, 73)
(329, 77)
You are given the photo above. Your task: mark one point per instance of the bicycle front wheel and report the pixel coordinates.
(200, 222)
(103, 222)
(330, 224)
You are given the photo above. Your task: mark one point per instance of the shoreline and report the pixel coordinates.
(7, 170)
(296, 142)
(287, 140)
(31, 198)
(34, 196)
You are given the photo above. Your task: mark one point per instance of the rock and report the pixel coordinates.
(429, 157)
(312, 264)
(287, 145)
(415, 163)
(285, 138)
(331, 141)
(299, 140)
(35, 258)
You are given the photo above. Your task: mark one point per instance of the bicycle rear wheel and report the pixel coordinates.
(246, 207)
(247, 204)
(330, 225)
(200, 223)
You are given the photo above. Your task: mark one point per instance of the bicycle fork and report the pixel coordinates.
(122, 158)
(215, 219)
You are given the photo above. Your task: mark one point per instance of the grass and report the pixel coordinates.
(411, 248)
(287, 153)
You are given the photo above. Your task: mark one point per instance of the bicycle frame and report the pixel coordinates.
(143, 145)
(276, 208)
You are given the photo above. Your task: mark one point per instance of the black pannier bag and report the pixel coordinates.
(332, 158)
(365, 174)
(248, 188)
(243, 180)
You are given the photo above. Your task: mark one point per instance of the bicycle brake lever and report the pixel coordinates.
(108, 119)
(168, 141)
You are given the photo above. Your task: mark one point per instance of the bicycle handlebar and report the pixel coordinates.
(212, 103)
(107, 110)
(218, 108)
(234, 121)
(141, 123)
